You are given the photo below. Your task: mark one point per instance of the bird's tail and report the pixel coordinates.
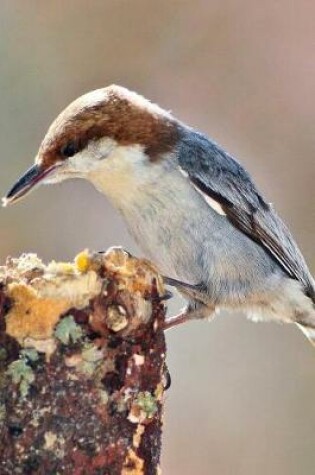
(308, 331)
(306, 322)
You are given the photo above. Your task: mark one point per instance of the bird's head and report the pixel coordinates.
(105, 136)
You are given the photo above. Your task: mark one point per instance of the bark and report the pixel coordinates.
(82, 366)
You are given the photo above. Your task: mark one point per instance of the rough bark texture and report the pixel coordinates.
(82, 366)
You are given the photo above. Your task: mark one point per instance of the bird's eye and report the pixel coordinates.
(68, 150)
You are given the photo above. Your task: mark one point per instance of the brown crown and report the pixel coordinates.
(112, 112)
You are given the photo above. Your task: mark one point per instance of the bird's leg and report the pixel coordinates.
(193, 292)
(170, 322)
(191, 312)
(199, 307)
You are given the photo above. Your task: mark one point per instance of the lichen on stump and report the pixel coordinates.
(82, 366)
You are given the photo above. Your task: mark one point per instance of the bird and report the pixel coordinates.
(192, 208)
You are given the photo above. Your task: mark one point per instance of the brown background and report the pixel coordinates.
(243, 395)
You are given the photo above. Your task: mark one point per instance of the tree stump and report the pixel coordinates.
(82, 365)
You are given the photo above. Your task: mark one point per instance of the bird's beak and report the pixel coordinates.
(31, 178)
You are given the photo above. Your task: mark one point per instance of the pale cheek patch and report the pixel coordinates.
(120, 174)
(100, 149)
(215, 205)
(90, 158)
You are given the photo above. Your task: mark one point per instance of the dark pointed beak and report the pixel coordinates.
(31, 178)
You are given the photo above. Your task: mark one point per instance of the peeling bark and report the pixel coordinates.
(82, 366)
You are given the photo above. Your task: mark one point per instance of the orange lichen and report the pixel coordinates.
(31, 316)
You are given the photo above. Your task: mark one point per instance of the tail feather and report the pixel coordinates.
(309, 332)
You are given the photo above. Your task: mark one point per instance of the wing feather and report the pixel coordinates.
(222, 178)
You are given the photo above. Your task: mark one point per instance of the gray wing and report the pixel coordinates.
(222, 178)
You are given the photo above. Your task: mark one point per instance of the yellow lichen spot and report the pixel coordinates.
(50, 440)
(2, 412)
(133, 464)
(137, 436)
(159, 391)
(83, 261)
(31, 316)
(104, 397)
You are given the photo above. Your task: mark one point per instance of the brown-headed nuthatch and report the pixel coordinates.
(191, 207)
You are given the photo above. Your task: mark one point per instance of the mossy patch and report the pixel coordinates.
(91, 359)
(21, 374)
(147, 403)
(68, 331)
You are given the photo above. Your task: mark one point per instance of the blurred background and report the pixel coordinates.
(242, 400)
